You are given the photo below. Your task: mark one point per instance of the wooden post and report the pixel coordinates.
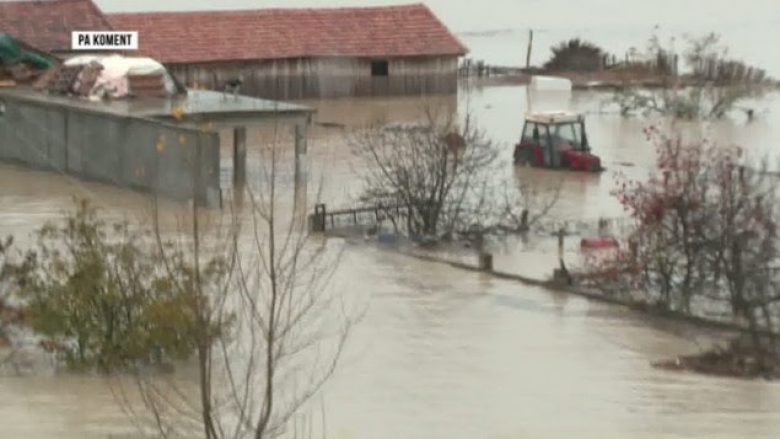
(239, 158)
(524, 220)
(561, 237)
(530, 46)
(300, 141)
(485, 261)
(318, 223)
(562, 273)
(301, 171)
(603, 225)
(485, 258)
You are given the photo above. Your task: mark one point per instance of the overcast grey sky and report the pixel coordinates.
(750, 27)
(462, 15)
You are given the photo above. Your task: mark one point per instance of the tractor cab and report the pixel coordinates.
(556, 140)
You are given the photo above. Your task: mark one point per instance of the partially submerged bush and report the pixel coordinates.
(103, 298)
(5, 281)
(705, 236)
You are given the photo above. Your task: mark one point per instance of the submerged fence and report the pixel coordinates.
(367, 216)
(323, 220)
(617, 227)
(724, 72)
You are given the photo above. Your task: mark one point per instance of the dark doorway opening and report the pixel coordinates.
(379, 68)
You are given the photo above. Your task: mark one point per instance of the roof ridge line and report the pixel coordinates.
(274, 9)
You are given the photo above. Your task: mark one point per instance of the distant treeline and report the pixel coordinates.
(580, 56)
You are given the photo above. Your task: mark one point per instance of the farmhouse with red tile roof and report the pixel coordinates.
(304, 53)
(276, 53)
(47, 24)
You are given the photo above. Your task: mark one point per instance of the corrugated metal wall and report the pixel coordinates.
(172, 161)
(326, 77)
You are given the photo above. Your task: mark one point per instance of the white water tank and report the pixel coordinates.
(548, 93)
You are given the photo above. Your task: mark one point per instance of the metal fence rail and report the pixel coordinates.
(615, 226)
(323, 220)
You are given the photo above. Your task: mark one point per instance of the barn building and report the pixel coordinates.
(47, 24)
(304, 53)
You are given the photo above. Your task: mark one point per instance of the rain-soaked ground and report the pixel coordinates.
(442, 353)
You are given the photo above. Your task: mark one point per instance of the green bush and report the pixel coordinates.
(102, 296)
(575, 55)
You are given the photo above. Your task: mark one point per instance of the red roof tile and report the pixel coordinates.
(47, 24)
(190, 37)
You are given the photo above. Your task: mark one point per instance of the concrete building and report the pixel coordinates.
(164, 146)
(304, 53)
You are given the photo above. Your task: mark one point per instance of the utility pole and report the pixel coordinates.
(530, 45)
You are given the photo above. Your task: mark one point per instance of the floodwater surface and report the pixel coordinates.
(442, 353)
(447, 354)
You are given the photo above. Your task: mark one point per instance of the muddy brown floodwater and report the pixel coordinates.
(442, 353)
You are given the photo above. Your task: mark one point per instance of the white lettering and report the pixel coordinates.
(99, 40)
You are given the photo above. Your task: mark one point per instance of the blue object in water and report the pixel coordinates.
(387, 238)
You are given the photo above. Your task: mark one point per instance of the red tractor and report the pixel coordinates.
(558, 141)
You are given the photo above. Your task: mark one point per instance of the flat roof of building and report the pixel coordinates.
(202, 105)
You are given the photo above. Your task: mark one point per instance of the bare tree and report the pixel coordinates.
(269, 330)
(438, 170)
(705, 239)
(745, 247)
(446, 177)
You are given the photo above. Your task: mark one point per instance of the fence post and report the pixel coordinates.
(603, 226)
(562, 273)
(239, 158)
(318, 219)
(485, 261)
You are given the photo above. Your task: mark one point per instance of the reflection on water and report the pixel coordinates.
(442, 353)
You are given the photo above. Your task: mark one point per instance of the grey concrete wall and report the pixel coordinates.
(145, 154)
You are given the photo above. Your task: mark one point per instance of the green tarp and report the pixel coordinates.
(11, 53)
